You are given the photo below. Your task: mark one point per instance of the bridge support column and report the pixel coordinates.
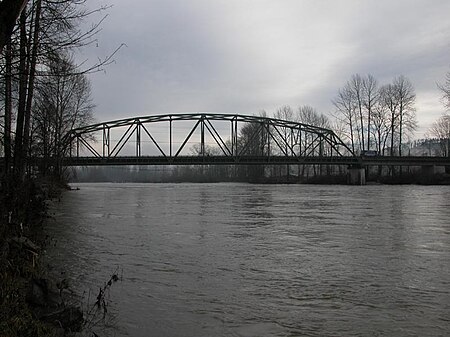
(356, 176)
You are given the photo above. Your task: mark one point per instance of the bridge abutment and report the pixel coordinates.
(356, 176)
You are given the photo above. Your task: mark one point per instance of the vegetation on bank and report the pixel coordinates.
(25, 302)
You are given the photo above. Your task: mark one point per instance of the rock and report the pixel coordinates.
(59, 332)
(63, 284)
(41, 295)
(5, 251)
(69, 318)
(26, 243)
(38, 292)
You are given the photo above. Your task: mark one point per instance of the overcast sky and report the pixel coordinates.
(243, 56)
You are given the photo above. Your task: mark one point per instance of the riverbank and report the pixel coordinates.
(31, 303)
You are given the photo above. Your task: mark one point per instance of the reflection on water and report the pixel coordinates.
(262, 260)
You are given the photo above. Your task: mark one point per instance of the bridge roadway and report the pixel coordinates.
(259, 160)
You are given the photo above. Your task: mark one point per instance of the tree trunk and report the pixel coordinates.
(361, 122)
(392, 134)
(32, 73)
(9, 12)
(369, 113)
(23, 75)
(8, 107)
(400, 131)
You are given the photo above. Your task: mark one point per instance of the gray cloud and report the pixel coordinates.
(244, 56)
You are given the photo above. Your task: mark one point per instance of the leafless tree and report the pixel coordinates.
(284, 113)
(356, 86)
(253, 140)
(388, 99)
(406, 99)
(346, 112)
(63, 102)
(370, 98)
(380, 125)
(285, 136)
(354, 105)
(445, 88)
(208, 150)
(308, 115)
(46, 30)
(398, 99)
(440, 130)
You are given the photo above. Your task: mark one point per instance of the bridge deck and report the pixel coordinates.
(258, 160)
(248, 160)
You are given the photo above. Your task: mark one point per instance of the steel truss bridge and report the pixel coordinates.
(216, 139)
(202, 138)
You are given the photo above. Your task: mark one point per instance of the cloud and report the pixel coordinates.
(244, 56)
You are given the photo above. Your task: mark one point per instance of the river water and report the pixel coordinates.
(260, 260)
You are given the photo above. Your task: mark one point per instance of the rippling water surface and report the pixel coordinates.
(261, 260)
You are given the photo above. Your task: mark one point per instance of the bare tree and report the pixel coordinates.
(46, 30)
(380, 125)
(285, 136)
(8, 107)
(308, 115)
(354, 105)
(406, 99)
(445, 88)
(252, 142)
(356, 85)
(397, 99)
(346, 112)
(440, 130)
(285, 113)
(208, 150)
(63, 102)
(388, 99)
(370, 97)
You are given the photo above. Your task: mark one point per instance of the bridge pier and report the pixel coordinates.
(356, 175)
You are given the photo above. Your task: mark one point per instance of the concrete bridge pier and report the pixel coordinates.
(356, 175)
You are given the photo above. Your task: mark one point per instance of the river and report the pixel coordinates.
(260, 260)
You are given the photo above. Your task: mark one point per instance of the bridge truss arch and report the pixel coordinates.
(199, 138)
